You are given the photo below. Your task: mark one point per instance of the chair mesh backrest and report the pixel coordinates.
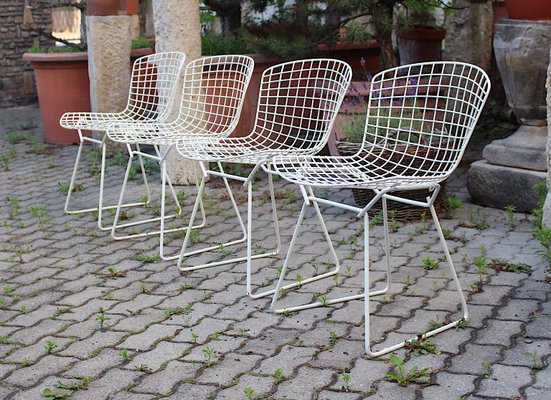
(153, 84)
(298, 103)
(420, 117)
(213, 93)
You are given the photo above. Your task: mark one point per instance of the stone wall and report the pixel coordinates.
(16, 76)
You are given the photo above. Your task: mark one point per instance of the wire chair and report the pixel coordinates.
(420, 118)
(152, 88)
(212, 97)
(297, 106)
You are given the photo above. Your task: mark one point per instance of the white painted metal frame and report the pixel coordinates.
(149, 99)
(212, 98)
(297, 106)
(420, 118)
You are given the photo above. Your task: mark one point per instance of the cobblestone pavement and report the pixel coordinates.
(86, 317)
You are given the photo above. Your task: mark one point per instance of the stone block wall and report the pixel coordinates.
(16, 76)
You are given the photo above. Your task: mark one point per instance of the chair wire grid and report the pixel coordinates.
(296, 108)
(152, 88)
(419, 120)
(212, 97)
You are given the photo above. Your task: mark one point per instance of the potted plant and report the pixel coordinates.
(61, 77)
(419, 31)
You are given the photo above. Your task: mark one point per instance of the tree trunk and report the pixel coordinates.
(177, 28)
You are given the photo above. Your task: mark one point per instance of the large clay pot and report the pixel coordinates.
(62, 84)
(420, 44)
(529, 9)
(111, 7)
(364, 58)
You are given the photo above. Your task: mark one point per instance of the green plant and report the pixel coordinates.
(114, 273)
(536, 363)
(26, 362)
(124, 355)
(249, 392)
(148, 258)
(141, 42)
(404, 376)
(194, 337)
(346, 380)
(421, 347)
(429, 263)
(102, 318)
(510, 209)
(451, 205)
(333, 336)
(278, 375)
(462, 324)
(64, 187)
(50, 346)
(485, 368)
(210, 356)
(142, 368)
(16, 137)
(432, 325)
(324, 300)
(6, 161)
(4, 340)
(502, 265)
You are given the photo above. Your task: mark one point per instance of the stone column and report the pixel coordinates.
(177, 28)
(547, 205)
(469, 33)
(109, 44)
(514, 165)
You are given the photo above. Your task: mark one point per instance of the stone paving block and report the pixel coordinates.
(143, 341)
(219, 346)
(162, 353)
(329, 395)
(307, 382)
(132, 396)
(5, 369)
(29, 376)
(261, 386)
(288, 358)
(139, 303)
(113, 381)
(517, 309)
(450, 386)
(93, 366)
(193, 391)
(204, 330)
(517, 354)
(499, 332)
(340, 356)
(419, 322)
(539, 327)
(33, 317)
(364, 375)
(85, 329)
(84, 312)
(470, 361)
(164, 381)
(535, 393)
(505, 381)
(255, 324)
(37, 350)
(139, 323)
(270, 340)
(224, 371)
(99, 340)
(31, 335)
(78, 299)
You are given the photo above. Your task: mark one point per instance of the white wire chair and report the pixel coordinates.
(419, 120)
(153, 85)
(212, 97)
(297, 106)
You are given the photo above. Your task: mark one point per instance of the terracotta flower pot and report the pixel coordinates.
(529, 9)
(420, 44)
(111, 7)
(62, 84)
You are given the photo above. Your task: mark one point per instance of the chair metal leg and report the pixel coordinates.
(279, 286)
(433, 332)
(246, 231)
(165, 179)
